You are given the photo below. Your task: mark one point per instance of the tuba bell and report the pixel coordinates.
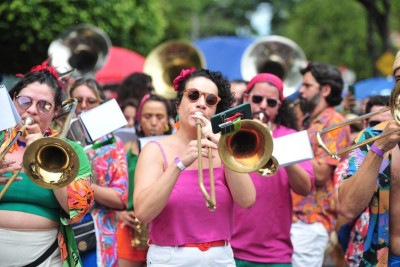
(166, 61)
(52, 162)
(277, 55)
(80, 51)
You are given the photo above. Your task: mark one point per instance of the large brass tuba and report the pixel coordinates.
(166, 61)
(277, 55)
(80, 50)
(52, 162)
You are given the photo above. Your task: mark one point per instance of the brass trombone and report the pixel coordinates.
(209, 197)
(394, 107)
(52, 162)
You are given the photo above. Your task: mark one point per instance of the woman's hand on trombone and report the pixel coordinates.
(33, 133)
(7, 166)
(206, 129)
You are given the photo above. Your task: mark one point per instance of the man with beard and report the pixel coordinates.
(264, 240)
(314, 215)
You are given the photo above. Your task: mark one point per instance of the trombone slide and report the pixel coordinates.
(210, 198)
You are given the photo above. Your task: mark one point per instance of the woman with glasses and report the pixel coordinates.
(183, 231)
(110, 180)
(35, 221)
(261, 234)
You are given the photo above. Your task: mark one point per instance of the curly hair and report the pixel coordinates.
(287, 115)
(326, 74)
(223, 85)
(43, 77)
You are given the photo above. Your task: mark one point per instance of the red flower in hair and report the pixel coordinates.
(184, 73)
(44, 66)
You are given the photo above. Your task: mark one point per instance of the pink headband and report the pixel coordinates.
(142, 102)
(269, 78)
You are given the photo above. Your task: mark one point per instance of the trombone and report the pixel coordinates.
(394, 107)
(49, 162)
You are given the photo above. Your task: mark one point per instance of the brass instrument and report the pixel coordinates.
(247, 149)
(277, 55)
(79, 51)
(52, 162)
(272, 165)
(394, 107)
(140, 235)
(166, 61)
(27, 121)
(210, 198)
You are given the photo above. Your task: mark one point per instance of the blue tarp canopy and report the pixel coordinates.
(373, 86)
(224, 54)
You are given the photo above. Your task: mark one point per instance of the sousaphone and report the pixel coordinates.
(80, 50)
(166, 61)
(277, 55)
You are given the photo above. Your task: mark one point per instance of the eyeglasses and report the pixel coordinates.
(373, 123)
(257, 99)
(193, 95)
(24, 102)
(90, 102)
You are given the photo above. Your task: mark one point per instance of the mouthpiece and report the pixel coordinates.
(28, 121)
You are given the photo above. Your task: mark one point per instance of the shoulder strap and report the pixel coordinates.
(163, 153)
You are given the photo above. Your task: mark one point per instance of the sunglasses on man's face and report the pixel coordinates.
(193, 95)
(257, 99)
(24, 102)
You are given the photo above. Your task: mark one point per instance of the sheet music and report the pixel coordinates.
(103, 119)
(292, 148)
(9, 116)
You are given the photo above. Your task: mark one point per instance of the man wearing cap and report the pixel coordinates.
(261, 234)
(373, 180)
(315, 215)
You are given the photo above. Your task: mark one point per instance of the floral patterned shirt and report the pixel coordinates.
(110, 170)
(376, 242)
(319, 205)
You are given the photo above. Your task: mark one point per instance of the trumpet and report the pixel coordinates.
(394, 107)
(26, 122)
(209, 197)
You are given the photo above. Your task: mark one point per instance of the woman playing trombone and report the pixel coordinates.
(167, 192)
(34, 221)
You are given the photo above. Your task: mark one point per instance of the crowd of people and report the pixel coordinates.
(139, 198)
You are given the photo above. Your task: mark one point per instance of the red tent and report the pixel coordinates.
(120, 63)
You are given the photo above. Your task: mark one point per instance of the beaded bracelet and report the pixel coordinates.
(377, 150)
(179, 164)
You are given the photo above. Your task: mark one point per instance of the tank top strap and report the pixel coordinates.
(163, 153)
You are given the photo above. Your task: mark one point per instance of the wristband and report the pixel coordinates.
(377, 150)
(179, 164)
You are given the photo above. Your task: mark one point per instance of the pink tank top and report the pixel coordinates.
(186, 218)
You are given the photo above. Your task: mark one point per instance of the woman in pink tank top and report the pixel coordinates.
(183, 231)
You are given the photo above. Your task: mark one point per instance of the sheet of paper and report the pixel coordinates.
(292, 148)
(103, 119)
(9, 116)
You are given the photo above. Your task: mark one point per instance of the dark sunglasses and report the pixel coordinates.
(373, 123)
(24, 102)
(89, 101)
(193, 95)
(257, 99)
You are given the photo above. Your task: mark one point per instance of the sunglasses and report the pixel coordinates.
(257, 99)
(24, 102)
(193, 95)
(90, 102)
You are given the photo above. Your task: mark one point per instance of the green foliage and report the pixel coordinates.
(334, 32)
(28, 27)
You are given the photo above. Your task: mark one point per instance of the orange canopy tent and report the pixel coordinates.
(121, 62)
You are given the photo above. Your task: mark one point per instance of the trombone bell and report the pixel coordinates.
(248, 149)
(51, 162)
